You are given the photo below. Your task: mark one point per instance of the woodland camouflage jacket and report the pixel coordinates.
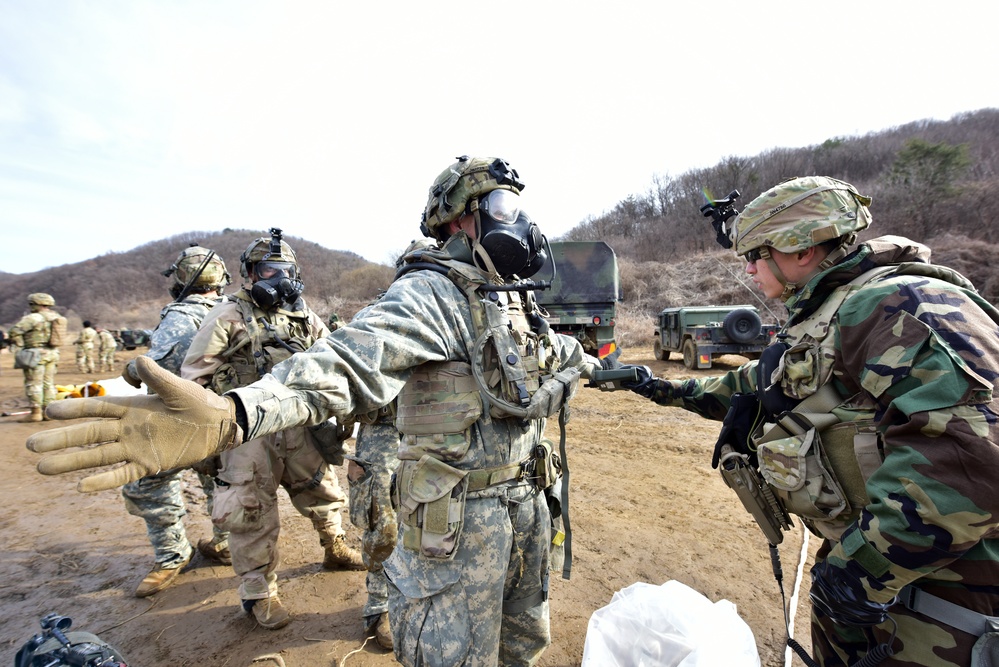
(923, 354)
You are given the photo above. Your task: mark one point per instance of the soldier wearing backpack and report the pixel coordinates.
(38, 336)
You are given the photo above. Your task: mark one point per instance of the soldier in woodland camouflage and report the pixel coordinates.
(85, 348)
(198, 277)
(474, 373)
(34, 332)
(262, 324)
(897, 472)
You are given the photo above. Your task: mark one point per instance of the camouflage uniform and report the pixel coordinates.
(897, 486)
(488, 601)
(158, 499)
(33, 331)
(107, 349)
(85, 349)
(222, 356)
(371, 505)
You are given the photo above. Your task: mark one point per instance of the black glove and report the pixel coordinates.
(839, 594)
(646, 383)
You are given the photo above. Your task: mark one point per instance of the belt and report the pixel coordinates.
(486, 477)
(952, 614)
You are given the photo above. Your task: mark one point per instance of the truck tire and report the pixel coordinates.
(657, 349)
(742, 325)
(689, 354)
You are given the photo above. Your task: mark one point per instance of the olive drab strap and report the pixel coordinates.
(254, 337)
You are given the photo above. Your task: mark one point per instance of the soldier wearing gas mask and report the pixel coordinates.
(458, 344)
(264, 323)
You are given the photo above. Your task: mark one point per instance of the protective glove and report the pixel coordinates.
(127, 377)
(646, 383)
(840, 595)
(179, 425)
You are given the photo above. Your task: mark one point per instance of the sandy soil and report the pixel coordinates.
(645, 506)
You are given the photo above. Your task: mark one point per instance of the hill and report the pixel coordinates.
(126, 290)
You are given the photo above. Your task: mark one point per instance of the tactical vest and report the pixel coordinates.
(512, 374)
(271, 337)
(510, 363)
(818, 456)
(40, 333)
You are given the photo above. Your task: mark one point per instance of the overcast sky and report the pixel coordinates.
(123, 122)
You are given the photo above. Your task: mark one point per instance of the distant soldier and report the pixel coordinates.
(108, 346)
(241, 340)
(199, 275)
(36, 336)
(85, 348)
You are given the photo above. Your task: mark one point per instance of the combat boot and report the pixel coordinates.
(160, 578)
(216, 551)
(34, 416)
(269, 613)
(381, 630)
(339, 556)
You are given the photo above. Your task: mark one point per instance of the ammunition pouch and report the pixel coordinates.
(430, 497)
(28, 357)
(224, 379)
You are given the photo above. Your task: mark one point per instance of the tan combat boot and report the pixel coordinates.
(269, 613)
(34, 416)
(160, 578)
(216, 551)
(381, 630)
(339, 556)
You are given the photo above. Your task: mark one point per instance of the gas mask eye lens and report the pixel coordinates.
(501, 205)
(265, 270)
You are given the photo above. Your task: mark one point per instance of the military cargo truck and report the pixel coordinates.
(583, 299)
(702, 332)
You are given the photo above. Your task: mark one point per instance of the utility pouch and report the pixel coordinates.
(547, 465)
(28, 357)
(432, 506)
(754, 493)
(797, 471)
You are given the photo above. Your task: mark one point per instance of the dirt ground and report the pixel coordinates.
(645, 507)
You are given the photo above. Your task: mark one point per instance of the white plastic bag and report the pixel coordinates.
(667, 626)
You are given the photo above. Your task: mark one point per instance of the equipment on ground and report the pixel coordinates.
(55, 646)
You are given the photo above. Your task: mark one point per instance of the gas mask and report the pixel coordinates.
(508, 236)
(277, 282)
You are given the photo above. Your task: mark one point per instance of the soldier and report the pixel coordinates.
(879, 426)
(199, 276)
(36, 337)
(264, 323)
(475, 372)
(85, 348)
(108, 346)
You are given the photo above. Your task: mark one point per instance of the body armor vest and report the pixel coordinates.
(40, 334)
(271, 337)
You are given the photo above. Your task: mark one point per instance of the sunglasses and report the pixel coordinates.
(756, 254)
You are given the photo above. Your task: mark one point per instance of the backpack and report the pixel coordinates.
(58, 335)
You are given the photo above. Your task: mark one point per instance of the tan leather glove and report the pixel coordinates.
(127, 377)
(179, 425)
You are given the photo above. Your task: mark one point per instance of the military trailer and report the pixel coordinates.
(585, 290)
(701, 333)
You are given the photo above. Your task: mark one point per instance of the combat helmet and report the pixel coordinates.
(800, 213)
(459, 186)
(270, 249)
(40, 299)
(185, 271)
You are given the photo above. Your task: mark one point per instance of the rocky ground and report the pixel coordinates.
(645, 507)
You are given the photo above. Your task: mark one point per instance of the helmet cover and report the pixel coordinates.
(800, 213)
(465, 180)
